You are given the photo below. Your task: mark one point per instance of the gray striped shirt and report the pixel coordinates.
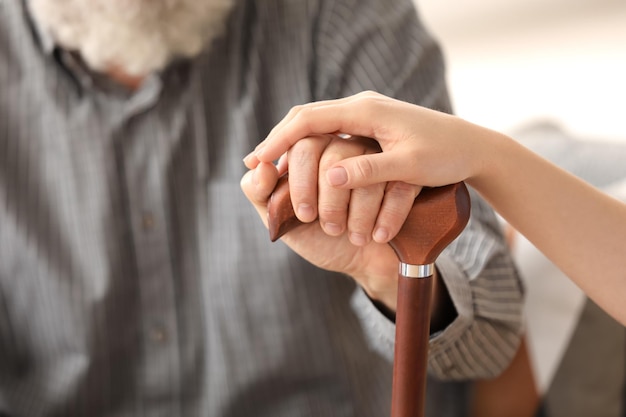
(136, 280)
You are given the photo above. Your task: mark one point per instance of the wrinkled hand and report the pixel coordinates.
(339, 223)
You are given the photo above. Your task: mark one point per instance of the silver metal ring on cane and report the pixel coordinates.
(416, 271)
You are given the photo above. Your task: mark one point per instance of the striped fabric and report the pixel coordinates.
(136, 280)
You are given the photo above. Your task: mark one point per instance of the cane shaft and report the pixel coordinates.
(411, 346)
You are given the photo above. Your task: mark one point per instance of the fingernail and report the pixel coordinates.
(381, 235)
(305, 212)
(357, 239)
(255, 180)
(337, 176)
(249, 158)
(333, 229)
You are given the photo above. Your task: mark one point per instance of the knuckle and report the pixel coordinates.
(295, 110)
(361, 225)
(301, 190)
(371, 98)
(402, 190)
(364, 168)
(336, 151)
(365, 192)
(367, 94)
(301, 152)
(302, 113)
(392, 216)
(328, 211)
(329, 158)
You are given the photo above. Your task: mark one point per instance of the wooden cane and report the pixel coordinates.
(438, 216)
(436, 219)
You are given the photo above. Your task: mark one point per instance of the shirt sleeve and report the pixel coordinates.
(382, 46)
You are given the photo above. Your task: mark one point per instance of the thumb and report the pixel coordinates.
(363, 170)
(257, 185)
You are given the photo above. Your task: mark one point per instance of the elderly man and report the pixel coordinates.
(135, 278)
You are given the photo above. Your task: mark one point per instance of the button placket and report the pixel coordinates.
(147, 208)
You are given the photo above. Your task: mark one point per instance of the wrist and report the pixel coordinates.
(385, 296)
(488, 153)
(383, 292)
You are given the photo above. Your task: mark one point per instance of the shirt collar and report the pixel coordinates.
(46, 41)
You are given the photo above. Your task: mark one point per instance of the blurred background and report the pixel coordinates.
(516, 61)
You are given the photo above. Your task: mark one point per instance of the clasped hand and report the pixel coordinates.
(345, 230)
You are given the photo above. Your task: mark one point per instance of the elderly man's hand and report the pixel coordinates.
(339, 223)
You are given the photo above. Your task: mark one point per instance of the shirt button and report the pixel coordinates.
(147, 221)
(158, 335)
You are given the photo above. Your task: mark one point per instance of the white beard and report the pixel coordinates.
(137, 36)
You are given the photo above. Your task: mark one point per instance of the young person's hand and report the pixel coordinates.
(420, 146)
